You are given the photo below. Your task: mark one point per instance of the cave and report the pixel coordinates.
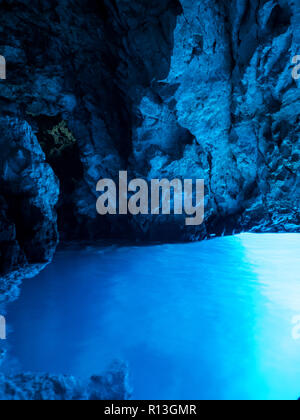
(162, 89)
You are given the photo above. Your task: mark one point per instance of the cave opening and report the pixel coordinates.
(63, 155)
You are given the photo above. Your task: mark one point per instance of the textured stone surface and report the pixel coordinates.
(169, 88)
(112, 385)
(230, 88)
(28, 194)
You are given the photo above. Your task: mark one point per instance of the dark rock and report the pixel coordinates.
(28, 194)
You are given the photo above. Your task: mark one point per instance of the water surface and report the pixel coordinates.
(210, 320)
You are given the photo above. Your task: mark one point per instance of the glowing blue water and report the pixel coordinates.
(211, 320)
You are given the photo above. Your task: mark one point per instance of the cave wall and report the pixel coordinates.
(169, 88)
(29, 191)
(230, 90)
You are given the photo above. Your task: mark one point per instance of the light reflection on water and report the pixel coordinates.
(210, 320)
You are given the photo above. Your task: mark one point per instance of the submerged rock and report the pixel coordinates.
(112, 385)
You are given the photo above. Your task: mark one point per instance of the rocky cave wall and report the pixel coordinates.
(169, 88)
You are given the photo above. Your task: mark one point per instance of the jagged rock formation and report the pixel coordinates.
(28, 193)
(162, 88)
(43, 387)
(230, 88)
